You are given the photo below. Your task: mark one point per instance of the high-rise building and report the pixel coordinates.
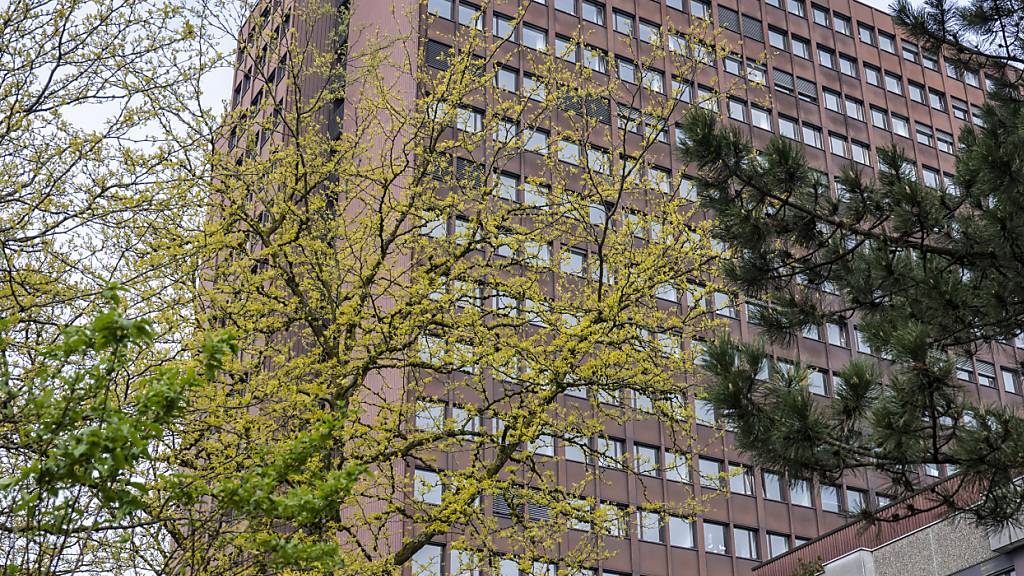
(840, 79)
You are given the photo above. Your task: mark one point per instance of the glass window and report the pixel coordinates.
(843, 25)
(945, 141)
(887, 42)
(924, 134)
(761, 118)
(832, 100)
(866, 33)
(855, 500)
(623, 22)
(442, 8)
(744, 543)
(714, 538)
(576, 449)
(741, 480)
(826, 57)
(504, 27)
(567, 6)
(777, 544)
(704, 411)
(737, 110)
(646, 460)
(801, 47)
(777, 38)
(800, 493)
(773, 486)
(680, 532)
(930, 61)
(427, 560)
(733, 64)
(900, 125)
(787, 127)
(817, 382)
(627, 71)
(648, 526)
(507, 79)
(593, 12)
(854, 108)
(648, 32)
(910, 52)
(821, 15)
(566, 48)
(893, 83)
(837, 335)
(986, 373)
(847, 65)
(700, 9)
(595, 59)
(796, 7)
(536, 38)
(1011, 381)
(879, 118)
(427, 486)
(873, 75)
(471, 15)
(937, 100)
(710, 473)
(610, 452)
(830, 499)
(837, 144)
(860, 153)
(812, 136)
(916, 92)
(677, 467)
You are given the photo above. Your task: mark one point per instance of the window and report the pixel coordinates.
(837, 335)
(741, 480)
(826, 57)
(817, 382)
(464, 563)
(773, 486)
(843, 24)
(910, 52)
(924, 134)
(894, 83)
(777, 38)
(952, 71)
(430, 416)
(1011, 381)
(733, 64)
(986, 373)
(887, 42)
(507, 79)
(866, 33)
(427, 560)
(971, 77)
(900, 125)
(855, 500)
(832, 100)
(801, 47)
(427, 486)
(700, 9)
(883, 500)
(879, 118)
(648, 32)
(646, 460)
(615, 520)
(777, 544)
(931, 470)
(610, 452)
(860, 153)
(704, 411)
(744, 543)
(820, 15)
(442, 8)
(729, 19)
(627, 70)
(854, 108)
(536, 38)
(937, 100)
(945, 141)
(830, 499)
(537, 141)
(931, 178)
(976, 116)
(959, 108)
(573, 262)
(595, 59)
(930, 61)
(714, 538)
(916, 92)
(593, 12)
(677, 468)
(800, 493)
(812, 331)
(787, 127)
(648, 526)
(812, 136)
(837, 144)
(723, 305)
(576, 449)
(873, 75)
(760, 118)
(567, 6)
(710, 473)
(566, 48)
(653, 80)
(964, 370)
(737, 110)
(622, 22)
(504, 28)
(680, 532)
(848, 65)
(806, 90)
(796, 7)
(471, 15)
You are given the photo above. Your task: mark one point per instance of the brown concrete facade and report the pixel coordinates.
(821, 84)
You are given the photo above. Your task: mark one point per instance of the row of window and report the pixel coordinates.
(984, 374)
(886, 41)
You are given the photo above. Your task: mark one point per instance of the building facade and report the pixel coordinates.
(837, 77)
